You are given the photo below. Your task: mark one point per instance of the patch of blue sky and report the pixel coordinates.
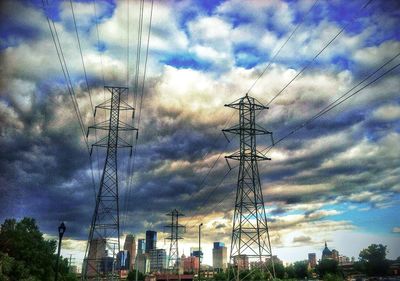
(185, 61)
(377, 129)
(381, 37)
(101, 46)
(346, 14)
(315, 16)
(246, 60)
(187, 16)
(342, 63)
(209, 5)
(378, 220)
(248, 56)
(198, 9)
(289, 213)
(9, 41)
(108, 8)
(237, 18)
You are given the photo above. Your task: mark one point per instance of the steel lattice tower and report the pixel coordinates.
(174, 237)
(104, 233)
(250, 237)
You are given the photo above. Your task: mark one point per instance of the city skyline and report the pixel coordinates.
(335, 180)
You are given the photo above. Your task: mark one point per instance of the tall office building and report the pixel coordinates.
(123, 260)
(312, 260)
(141, 246)
(158, 259)
(130, 246)
(219, 256)
(151, 240)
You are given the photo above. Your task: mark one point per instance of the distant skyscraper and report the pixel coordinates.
(141, 246)
(130, 246)
(158, 259)
(219, 256)
(151, 240)
(241, 261)
(312, 260)
(123, 260)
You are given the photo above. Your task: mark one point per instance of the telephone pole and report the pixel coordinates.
(250, 244)
(104, 235)
(174, 237)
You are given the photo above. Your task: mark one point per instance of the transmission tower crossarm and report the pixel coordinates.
(247, 102)
(237, 130)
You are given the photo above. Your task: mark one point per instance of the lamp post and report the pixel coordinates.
(198, 274)
(61, 230)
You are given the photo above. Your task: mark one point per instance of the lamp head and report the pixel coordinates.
(61, 229)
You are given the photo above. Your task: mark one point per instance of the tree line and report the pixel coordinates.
(26, 256)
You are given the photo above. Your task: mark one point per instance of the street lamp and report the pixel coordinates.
(61, 230)
(198, 274)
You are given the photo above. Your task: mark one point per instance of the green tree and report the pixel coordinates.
(220, 276)
(328, 266)
(279, 270)
(245, 275)
(132, 276)
(332, 277)
(25, 255)
(373, 260)
(289, 271)
(300, 269)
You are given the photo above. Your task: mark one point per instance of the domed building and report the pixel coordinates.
(328, 254)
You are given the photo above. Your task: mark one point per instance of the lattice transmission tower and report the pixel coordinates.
(250, 244)
(174, 236)
(104, 235)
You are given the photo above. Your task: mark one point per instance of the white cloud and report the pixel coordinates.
(387, 113)
(373, 56)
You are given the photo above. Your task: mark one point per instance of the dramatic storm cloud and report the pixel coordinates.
(337, 176)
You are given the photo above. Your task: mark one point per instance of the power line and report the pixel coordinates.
(316, 56)
(340, 100)
(65, 71)
(98, 46)
(69, 85)
(127, 46)
(87, 84)
(131, 164)
(80, 51)
(281, 47)
(209, 196)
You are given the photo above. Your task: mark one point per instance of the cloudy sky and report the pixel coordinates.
(337, 179)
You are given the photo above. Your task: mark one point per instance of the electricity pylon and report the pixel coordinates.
(250, 245)
(104, 236)
(174, 237)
